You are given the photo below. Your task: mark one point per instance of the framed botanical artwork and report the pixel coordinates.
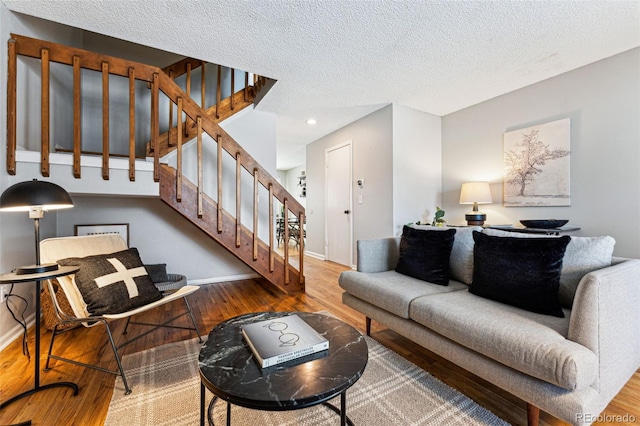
(116, 228)
(537, 165)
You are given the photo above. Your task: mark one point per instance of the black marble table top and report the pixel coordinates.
(229, 370)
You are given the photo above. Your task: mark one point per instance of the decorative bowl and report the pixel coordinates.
(544, 223)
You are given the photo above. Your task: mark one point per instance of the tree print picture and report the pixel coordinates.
(537, 165)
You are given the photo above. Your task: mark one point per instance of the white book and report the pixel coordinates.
(283, 339)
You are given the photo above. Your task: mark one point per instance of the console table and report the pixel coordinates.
(543, 231)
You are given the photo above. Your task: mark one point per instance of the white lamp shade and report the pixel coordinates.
(475, 192)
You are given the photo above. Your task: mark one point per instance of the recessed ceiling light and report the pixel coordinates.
(311, 121)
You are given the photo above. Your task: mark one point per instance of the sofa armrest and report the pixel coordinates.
(378, 255)
(606, 319)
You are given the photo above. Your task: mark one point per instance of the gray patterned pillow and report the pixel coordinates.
(113, 283)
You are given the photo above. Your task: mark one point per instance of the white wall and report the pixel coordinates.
(292, 183)
(603, 102)
(417, 172)
(371, 138)
(17, 243)
(397, 152)
(160, 234)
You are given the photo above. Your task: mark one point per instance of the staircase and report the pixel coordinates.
(188, 197)
(219, 110)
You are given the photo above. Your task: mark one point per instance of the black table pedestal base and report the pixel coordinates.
(344, 419)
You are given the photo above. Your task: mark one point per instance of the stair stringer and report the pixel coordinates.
(227, 238)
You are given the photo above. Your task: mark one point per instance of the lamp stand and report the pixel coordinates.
(475, 218)
(36, 215)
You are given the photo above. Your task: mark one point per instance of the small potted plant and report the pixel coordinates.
(438, 218)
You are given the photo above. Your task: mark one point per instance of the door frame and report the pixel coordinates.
(349, 144)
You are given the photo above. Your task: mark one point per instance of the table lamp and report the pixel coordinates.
(475, 193)
(35, 197)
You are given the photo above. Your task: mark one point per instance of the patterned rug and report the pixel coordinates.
(392, 391)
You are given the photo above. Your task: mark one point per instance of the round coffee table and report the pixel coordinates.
(229, 370)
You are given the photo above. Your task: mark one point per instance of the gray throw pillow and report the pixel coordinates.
(157, 272)
(583, 255)
(113, 283)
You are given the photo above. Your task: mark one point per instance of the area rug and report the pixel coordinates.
(392, 391)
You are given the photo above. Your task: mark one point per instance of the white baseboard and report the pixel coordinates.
(238, 277)
(314, 255)
(15, 332)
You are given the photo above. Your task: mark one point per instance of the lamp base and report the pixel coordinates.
(475, 219)
(36, 269)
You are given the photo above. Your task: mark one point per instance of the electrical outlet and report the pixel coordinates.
(4, 290)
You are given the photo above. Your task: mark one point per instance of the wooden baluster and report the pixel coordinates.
(218, 94)
(77, 116)
(200, 179)
(188, 89)
(238, 199)
(219, 160)
(271, 223)
(246, 86)
(255, 213)
(179, 153)
(11, 108)
(155, 128)
(132, 125)
(44, 106)
(233, 86)
(285, 218)
(169, 141)
(301, 220)
(202, 84)
(187, 120)
(105, 120)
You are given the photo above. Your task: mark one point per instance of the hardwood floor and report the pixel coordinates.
(212, 304)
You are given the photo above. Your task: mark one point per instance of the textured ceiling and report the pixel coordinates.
(338, 60)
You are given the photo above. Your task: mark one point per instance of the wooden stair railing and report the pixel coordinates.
(186, 197)
(219, 111)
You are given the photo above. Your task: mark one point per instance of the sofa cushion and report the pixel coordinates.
(157, 272)
(519, 272)
(390, 290)
(583, 255)
(424, 254)
(113, 283)
(531, 343)
(461, 259)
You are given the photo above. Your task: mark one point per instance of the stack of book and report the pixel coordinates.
(283, 339)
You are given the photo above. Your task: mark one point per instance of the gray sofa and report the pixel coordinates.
(570, 367)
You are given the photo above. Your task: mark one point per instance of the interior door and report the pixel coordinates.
(338, 215)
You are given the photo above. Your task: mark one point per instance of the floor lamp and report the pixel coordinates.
(35, 197)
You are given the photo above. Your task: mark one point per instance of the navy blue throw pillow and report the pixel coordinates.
(424, 254)
(522, 272)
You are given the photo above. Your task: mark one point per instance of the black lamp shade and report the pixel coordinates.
(25, 195)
